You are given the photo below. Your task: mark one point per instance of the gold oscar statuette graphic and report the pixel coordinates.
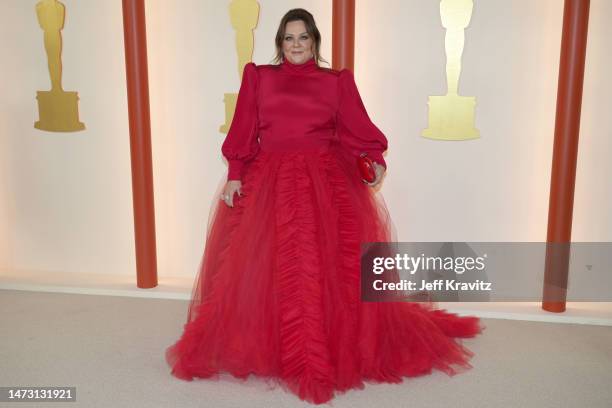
(451, 117)
(57, 109)
(244, 15)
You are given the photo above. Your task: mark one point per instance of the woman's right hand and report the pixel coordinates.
(380, 170)
(231, 187)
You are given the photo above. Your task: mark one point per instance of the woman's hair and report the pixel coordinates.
(311, 27)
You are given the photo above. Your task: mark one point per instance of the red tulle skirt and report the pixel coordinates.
(278, 291)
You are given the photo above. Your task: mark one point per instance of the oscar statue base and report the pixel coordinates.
(230, 100)
(58, 111)
(451, 117)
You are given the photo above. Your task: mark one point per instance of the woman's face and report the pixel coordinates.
(297, 43)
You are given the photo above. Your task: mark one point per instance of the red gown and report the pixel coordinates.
(278, 290)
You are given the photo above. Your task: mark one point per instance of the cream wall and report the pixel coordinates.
(66, 198)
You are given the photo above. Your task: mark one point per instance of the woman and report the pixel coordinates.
(278, 291)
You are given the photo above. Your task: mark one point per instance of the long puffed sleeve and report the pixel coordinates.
(356, 132)
(241, 143)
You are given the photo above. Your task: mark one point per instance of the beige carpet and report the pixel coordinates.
(111, 349)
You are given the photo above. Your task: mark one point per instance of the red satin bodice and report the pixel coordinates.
(298, 107)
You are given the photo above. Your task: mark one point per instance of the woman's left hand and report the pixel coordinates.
(379, 169)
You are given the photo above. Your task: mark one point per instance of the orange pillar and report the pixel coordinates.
(135, 40)
(343, 34)
(565, 152)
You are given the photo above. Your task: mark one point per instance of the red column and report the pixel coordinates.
(135, 39)
(565, 152)
(343, 34)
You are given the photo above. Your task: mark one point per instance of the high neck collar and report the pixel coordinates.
(305, 67)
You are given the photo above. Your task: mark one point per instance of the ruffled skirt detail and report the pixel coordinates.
(278, 290)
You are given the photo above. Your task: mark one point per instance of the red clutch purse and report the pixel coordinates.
(366, 168)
